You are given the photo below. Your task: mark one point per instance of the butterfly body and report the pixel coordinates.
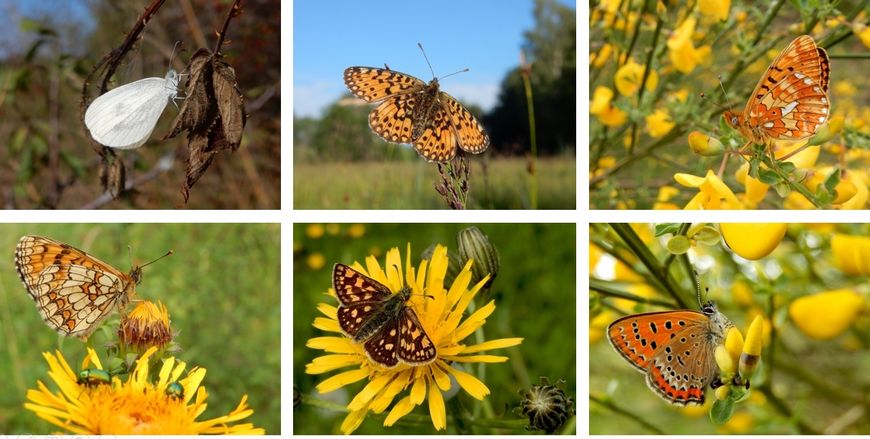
(412, 111)
(790, 101)
(674, 349)
(73, 291)
(371, 314)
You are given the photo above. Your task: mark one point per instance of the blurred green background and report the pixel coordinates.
(534, 292)
(222, 288)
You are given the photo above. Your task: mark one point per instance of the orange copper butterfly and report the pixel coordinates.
(674, 349)
(790, 101)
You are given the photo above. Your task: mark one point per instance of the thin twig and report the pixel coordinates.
(163, 165)
(630, 414)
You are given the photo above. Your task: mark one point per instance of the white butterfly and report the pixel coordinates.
(124, 117)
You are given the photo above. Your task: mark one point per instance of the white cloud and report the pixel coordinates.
(309, 100)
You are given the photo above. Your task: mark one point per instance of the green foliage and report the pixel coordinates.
(535, 283)
(221, 286)
(495, 184)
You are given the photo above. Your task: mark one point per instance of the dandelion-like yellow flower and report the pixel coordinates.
(134, 406)
(440, 311)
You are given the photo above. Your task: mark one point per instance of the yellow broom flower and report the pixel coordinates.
(440, 310)
(134, 406)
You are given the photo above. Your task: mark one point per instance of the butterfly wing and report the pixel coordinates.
(381, 348)
(353, 288)
(438, 140)
(682, 369)
(393, 119)
(125, 116)
(639, 337)
(73, 291)
(415, 346)
(790, 101)
(372, 85)
(74, 300)
(471, 135)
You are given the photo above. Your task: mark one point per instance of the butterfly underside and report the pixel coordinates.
(674, 349)
(387, 327)
(74, 291)
(412, 111)
(790, 101)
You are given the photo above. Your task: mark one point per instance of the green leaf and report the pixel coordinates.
(787, 167)
(768, 176)
(722, 411)
(832, 181)
(708, 235)
(782, 189)
(667, 229)
(678, 245)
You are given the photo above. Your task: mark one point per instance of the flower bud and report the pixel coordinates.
(724, 360)
(751, 355)
(705, 145)
(722, 392)
(474, 245)
(547, 406)
(734, 343)
(145, 326)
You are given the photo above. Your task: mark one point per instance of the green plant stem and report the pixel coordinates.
(641, 153)
(799, 188)
(850, 56)
(648, 259)
(626, 413)
(784, 409)
(605, 288)
(533, 172)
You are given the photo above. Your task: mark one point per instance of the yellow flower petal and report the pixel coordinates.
(826, 315)
(752, 241)
(340, 380)
(437, 410)
(493, 344)
(469, 383)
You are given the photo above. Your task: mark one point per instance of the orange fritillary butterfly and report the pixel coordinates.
(674, 349)
(411, 111)
(790, 101)
(74, 291)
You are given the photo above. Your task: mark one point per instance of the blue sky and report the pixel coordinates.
(71, 13)
(331, 35)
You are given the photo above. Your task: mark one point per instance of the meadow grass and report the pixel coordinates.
(222, 288)
(535, 298)
(410, 185)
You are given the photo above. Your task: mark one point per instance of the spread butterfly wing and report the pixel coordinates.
(415, 346)
(393, 119)
(438, 140)
(638, 337)
(352, 287)
(372, 85)
(73, 299)
(125, 116)
(471, 135)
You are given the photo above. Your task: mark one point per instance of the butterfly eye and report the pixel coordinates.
(733, 120)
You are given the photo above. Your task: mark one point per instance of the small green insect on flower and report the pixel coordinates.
(175, 390)
(94, 377)
(547, 406)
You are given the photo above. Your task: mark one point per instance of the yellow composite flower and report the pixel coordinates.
(440, 309)
(713, 193)
(133, 406)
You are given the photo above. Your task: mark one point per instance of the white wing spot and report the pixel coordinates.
(799, 75)
(824, 100)
(808, 81)
(768, 125)
(822, 119)
(817, 90)
(824, 111)
(789, 108)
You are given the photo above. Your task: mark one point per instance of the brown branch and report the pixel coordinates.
(235, 9)
(163, 165)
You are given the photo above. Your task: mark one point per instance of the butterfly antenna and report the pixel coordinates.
(172, 54)
(167, 254)
(427, 59)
